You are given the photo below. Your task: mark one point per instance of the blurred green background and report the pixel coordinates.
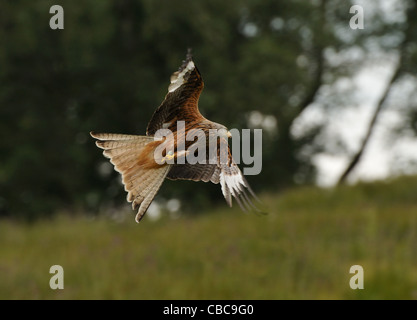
(275, 65)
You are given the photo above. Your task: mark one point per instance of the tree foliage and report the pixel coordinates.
(109, 69)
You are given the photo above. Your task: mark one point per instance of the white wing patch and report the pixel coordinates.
(234, 184)
(177, 78)
(225, 189)
(231, 182)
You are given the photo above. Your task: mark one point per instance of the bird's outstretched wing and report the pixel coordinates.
(228, 174)
(195, 172)
(181, 101)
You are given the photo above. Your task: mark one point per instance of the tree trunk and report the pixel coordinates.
(358, 155)
(408, 35)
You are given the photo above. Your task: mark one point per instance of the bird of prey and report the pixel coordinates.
(143, 172)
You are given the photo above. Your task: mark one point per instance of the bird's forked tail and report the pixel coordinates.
(133, 157)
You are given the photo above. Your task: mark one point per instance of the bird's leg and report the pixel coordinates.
(169, 156)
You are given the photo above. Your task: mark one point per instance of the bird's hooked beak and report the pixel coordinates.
(229, 135)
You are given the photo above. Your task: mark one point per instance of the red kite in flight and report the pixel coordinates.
(143, 171)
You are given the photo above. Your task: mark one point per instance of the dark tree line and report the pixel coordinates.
(109, 68)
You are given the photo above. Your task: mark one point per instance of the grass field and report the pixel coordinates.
(303, 249)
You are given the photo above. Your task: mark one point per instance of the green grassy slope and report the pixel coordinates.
(303, 249)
